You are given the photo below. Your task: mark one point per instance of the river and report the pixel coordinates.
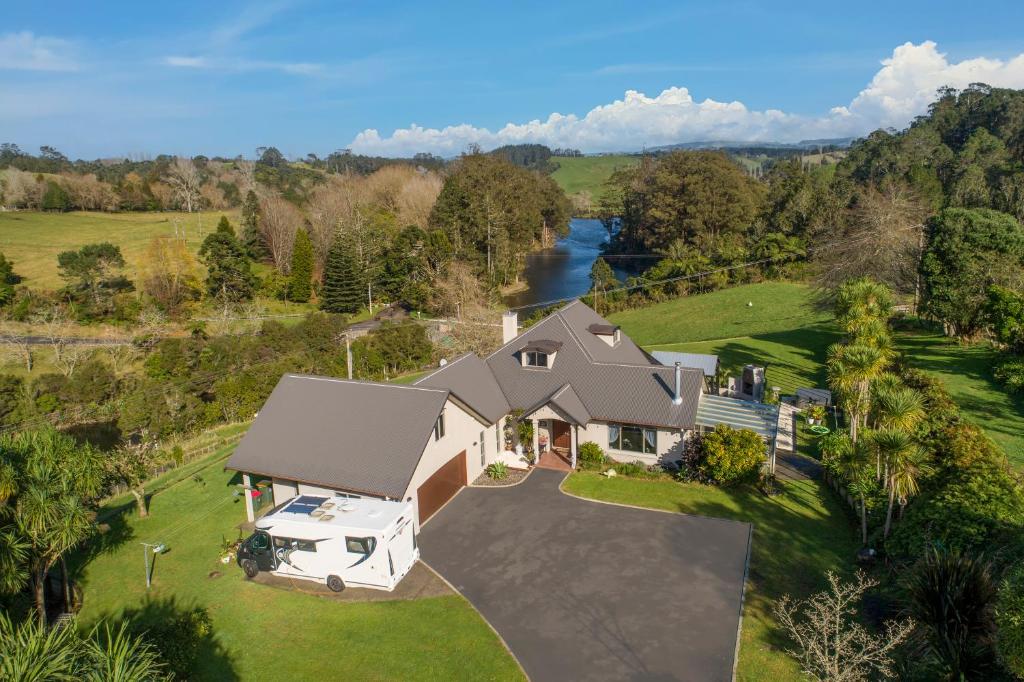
(563, 271)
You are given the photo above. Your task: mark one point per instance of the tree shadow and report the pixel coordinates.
(164, 623)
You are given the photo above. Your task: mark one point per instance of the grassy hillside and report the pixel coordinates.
(33, 239)
(589, 173)
(785, 331)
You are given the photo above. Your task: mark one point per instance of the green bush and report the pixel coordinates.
(1010, 621)
(1010, 373)
(590, 453)
(497, 471)
(636, 469)
(179, 639)
(727, 455)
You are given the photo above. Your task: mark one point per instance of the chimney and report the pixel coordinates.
(677, 397)
(509, 326)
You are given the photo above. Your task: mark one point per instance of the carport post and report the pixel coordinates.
(247, 491)
(536, 439)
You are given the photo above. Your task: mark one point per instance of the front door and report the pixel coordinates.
(560, 437)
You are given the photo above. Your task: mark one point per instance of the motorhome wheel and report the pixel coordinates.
(335, 583)
(250, 568)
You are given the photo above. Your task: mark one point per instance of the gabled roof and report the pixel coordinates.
(471, 381)
(565, 401)
(612, 383)
(707, 363)
(353, 435)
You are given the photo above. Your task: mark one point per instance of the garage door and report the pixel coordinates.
(442, 486)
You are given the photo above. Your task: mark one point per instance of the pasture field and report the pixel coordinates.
(577, 174)
(32, 239)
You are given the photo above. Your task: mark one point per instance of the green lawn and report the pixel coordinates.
(262, 631)
(782, 330)
(798, 535)
(33, 239)
(589, 173)
(966, 372)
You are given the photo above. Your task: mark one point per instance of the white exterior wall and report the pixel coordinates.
(670, 444)
(462, 432)
(284, 490)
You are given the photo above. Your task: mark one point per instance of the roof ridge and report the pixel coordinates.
(443, 367)
(362, 382)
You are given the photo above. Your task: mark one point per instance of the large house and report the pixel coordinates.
(577, 377)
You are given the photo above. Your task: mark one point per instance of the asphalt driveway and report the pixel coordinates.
(582, 590)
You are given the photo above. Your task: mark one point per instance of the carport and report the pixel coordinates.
(586, 590)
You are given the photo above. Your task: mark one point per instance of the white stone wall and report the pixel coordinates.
(670, 444)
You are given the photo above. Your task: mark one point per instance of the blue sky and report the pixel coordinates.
(189, 77)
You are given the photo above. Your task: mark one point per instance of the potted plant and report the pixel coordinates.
(815, 414)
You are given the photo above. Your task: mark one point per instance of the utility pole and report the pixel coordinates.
(369, 295)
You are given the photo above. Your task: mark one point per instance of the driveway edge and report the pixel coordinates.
(743, 598)
(484, 619)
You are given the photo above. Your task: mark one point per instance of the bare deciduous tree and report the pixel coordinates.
(19, 350)
(184, 179)
(830, 644)
(279, 221)
(883, 240)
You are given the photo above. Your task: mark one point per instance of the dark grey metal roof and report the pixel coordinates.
(613, 383)
(707, 363)
(471, 381)
(353, 435)
(602, 329)
(566, 400)
(543, 345)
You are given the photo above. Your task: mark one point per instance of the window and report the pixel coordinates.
(483, 449)
(632, 438)
(292, 543)
(439, 427)
(259, 541)
(360, 545)
(535, 358)
(350, 496)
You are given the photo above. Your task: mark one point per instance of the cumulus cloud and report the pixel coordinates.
(25, 51)
(900, 90)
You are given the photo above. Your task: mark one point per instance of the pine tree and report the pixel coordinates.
(225, 226)
(252, 238)
(229, 272)
(343, 288)
(300, 282)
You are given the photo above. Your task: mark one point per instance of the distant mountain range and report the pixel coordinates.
(808, 145)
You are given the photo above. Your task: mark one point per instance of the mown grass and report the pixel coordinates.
(32, 239)
(783, 330)
(798, 536)
(967, 374)
(259, 630)
(589, 173)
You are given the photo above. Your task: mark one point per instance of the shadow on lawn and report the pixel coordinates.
(186, 644)
(808, 344)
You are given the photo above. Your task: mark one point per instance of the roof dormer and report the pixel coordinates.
(609, 333)
(539, 354)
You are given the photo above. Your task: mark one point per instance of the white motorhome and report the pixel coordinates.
(338, 541)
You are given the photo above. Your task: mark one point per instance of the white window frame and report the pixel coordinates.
(439, 426)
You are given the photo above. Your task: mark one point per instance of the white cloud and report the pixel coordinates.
(900, 90)
(241, 65)
(26, 51)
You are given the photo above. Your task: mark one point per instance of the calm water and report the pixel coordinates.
(563, 271)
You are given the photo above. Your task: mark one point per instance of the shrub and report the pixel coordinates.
(1010, 373)
(816, 412)
(178, 639)
(727, 455)
(1010, 621)
(591, 453)
(497, 471)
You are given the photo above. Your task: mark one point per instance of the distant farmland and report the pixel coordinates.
(32, 239)
(589, 173)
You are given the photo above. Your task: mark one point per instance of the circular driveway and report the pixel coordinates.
(582, 590)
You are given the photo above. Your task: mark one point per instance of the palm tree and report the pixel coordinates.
(905, 464)
(860, 482)
(851, 369)
(31, 652)
(952, 596)
(50, 482)
(898, 408)
(862, 299)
